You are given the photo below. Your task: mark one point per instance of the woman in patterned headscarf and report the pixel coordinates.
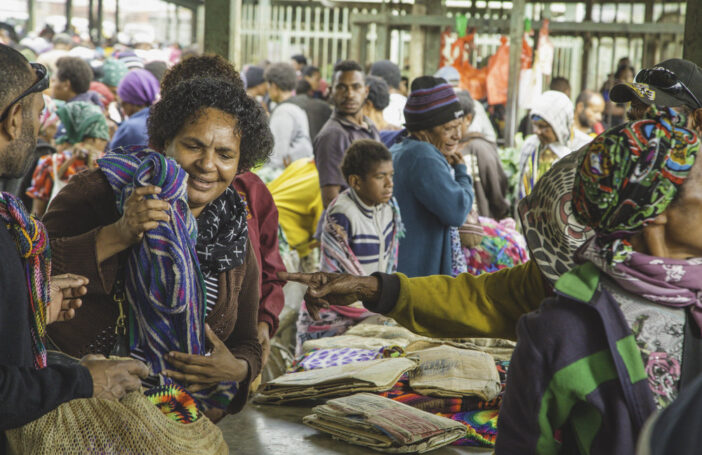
(618, 340)
(81, 139)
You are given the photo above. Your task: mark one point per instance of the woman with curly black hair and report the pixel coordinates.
(171, 241)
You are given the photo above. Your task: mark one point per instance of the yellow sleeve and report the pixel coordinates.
(488, 305)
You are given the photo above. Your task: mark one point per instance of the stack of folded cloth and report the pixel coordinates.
(478, 415)
(384, 425)
(369, 376)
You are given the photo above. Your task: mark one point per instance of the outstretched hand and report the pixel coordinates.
(341, 289)
(66, 291)
(114, 378)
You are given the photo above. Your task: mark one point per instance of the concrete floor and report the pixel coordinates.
(278, 430)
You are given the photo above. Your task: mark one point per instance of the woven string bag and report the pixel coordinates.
(133, 425)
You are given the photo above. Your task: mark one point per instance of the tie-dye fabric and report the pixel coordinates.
(502, 246)
(175, 402)
(481, 426)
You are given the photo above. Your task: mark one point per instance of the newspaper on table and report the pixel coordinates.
(383, 424)
(446, 371)
(371, 376)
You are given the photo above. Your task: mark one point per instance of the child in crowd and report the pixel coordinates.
(361, 233)
(361, 225)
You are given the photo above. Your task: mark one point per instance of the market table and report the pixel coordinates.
(278, 430)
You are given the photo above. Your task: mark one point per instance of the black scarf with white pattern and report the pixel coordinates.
(222, 233)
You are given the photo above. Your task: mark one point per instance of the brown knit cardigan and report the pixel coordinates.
(73, 220)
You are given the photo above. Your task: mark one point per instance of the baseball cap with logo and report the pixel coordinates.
(674, 82)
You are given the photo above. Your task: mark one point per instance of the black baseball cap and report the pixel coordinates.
(674, 82)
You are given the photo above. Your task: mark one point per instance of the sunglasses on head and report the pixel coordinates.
(666, 80)
(39, 86)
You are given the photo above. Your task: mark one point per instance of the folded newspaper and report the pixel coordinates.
(372, 376)
(446, 371)
(383, 424)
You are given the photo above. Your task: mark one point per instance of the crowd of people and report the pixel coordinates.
(156, 204)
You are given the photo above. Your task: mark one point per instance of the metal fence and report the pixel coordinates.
(324, 35)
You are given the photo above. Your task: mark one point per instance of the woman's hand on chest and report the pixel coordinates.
(198, 372)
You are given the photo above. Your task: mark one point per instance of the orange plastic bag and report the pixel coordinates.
(498, 71)
(472, 79)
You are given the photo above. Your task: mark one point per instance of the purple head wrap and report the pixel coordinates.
(139, 87)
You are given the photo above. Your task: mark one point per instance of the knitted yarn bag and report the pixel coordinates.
(33, 247)
(130, 426)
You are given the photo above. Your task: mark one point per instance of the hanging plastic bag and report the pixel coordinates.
(545, 51)
(498, 70)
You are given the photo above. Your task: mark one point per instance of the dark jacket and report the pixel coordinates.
(576, 375)
(74, 218)
(25, 392)
(431, 201)
(489, 179)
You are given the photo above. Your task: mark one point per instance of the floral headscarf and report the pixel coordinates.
(629, 175)
(113, 71)
(81, 120)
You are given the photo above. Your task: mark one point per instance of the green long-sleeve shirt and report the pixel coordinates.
(488, 305)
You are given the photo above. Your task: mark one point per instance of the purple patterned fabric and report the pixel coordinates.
(163, 283)
(671, 282)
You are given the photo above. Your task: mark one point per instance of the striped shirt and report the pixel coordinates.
(369, 229)
(211, 295)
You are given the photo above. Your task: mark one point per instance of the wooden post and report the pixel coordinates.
(193, 25)
(648, 59)
(223, 29)
(432, 43)
(31, 16)
(358, 50)
(69, 14)
(692, 43)
(587, 49)
(177, 24)
(516, 34)
(416, 50)
(91, 20)
(382, 40)
(116, 18)
(98, 25)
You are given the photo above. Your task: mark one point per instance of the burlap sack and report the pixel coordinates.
(131, 426)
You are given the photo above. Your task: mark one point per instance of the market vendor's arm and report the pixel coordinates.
(488, 305)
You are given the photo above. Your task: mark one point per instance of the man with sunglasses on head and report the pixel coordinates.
(674, 83)
(31, 385)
